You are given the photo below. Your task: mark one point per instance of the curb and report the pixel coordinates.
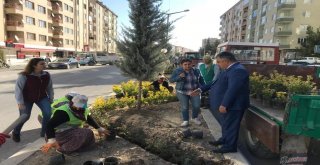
(24, 153)
(215, 129)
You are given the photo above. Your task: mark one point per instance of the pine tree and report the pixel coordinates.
(312, 39)
(143, 44)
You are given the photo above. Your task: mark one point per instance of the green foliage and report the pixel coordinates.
(210, 48)
(312, 39)
(278, 87)
(141, 43)
(129, 98)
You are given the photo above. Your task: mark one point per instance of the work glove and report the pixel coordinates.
(3, 138)
(52, 143)
(103, 131)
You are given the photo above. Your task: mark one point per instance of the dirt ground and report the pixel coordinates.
(148, 136)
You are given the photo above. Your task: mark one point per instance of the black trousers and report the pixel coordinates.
(205, 102)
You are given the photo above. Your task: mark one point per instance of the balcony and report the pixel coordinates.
(286, 5)
(13, 8)
(285, 19)
(57, 33)
(264, 2)
(56, 21)
(283, 33)
(14, 25)
(57, 44)
(56, 9)
(15, 36)
(284, 46)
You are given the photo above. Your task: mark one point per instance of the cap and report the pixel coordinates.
(72, 94)
(80, 101)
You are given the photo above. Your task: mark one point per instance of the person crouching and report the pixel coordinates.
(65, 130)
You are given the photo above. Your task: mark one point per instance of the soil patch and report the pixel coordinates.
(148, 136)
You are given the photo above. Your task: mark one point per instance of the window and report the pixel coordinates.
(303, 28)
(66, 18)
(71, 20)
(266, 31)
(31, 36)
(42, 24)
(272, 30)
(67, 42)
(29, 4)
(263, 20)
(71, 42)
(307, 1)
(30, 20)
(41, 9)
(306, 14)
(71, 9)
(274, 16)
(42, 37)
(65, 7)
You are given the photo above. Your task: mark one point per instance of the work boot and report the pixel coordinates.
(16, 137)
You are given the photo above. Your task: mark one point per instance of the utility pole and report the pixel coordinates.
(168, 15)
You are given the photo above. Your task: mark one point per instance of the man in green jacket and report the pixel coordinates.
(209, 72)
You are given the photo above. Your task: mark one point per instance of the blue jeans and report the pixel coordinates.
(184, 104)
(45, 108)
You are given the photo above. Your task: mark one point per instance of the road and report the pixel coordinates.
(92, 81)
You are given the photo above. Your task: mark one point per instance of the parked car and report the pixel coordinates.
(92, 58)
(64, 63)
(309, 60)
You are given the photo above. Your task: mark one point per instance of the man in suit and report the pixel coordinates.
(230, 96)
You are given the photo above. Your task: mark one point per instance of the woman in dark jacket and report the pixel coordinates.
(34, 85)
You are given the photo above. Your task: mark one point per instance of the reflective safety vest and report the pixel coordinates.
(73, 122)
(59, 102)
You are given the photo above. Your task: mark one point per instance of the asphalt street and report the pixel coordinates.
(92, 81)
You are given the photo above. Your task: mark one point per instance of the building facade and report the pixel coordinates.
(209, 41)
(39, 28)
(270, 21)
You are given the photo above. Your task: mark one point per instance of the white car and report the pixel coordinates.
(310, 60)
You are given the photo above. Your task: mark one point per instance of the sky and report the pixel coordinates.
(201, 22)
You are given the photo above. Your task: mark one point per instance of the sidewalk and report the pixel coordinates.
(14, 67)
(214, 127)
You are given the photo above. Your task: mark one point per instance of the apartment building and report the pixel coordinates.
(211, 41)
(39, 28)
(270, 21)
(179, 50)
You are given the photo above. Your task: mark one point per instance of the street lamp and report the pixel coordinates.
(168, 15)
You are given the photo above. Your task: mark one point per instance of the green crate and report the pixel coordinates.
(302, 116)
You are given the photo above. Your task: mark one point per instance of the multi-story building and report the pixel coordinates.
(179, 50)
(209, 41)
(34, 28)
(270, 21)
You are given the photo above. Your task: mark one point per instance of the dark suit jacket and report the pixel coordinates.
(231, 89)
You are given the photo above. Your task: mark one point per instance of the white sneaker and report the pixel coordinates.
(184, 124)
(196, 121)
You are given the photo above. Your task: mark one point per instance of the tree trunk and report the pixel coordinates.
(139, 95)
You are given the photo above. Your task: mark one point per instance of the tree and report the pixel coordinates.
(209, 47)
(142, 45)
(312, 39)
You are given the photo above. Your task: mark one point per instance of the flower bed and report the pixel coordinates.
(275, 88)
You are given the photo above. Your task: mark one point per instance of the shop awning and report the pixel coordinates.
(36, 50)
